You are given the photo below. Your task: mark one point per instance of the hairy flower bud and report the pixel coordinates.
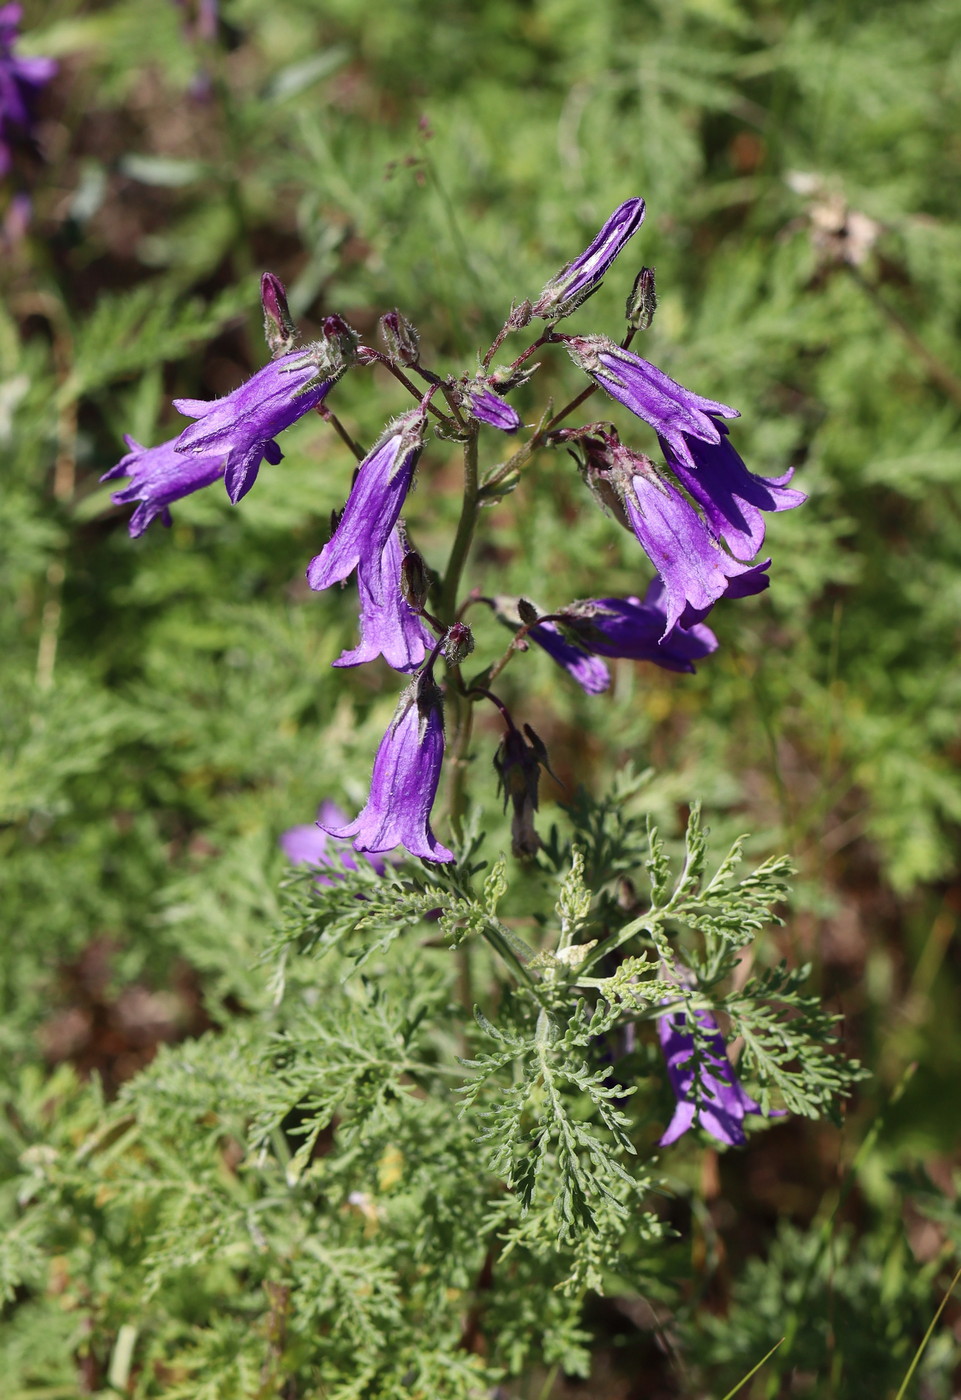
(581, 278)
(400, 337)
(642, 301)
(458, 644)
(527, 612)
(279, 329)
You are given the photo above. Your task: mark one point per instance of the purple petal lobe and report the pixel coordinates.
(635, 629)
(590, 673)
(312, 845)
(488, 407)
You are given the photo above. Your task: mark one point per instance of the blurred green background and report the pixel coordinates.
(167, 705)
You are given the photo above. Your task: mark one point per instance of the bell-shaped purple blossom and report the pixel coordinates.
(20, 78)
(404, 781)
(675, 413)
(577, 281)
(159, 476)
(731, 497)
(374, 504)
(242, 426)
(634, 629)
(744, 585)
(680, 543)
(389, 626)
(487, 407)
(703, 1079)
(312, 845)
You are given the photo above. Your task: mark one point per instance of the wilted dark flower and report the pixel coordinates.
(19, 80)
(389, 626)
(675, 413)
(311, 845)
(582, 277)
(731, 497)
(487, 407)
(703, 1080)
(518, 762)
(242, 426)
(158, 477)
(374, 504)
(404, 781)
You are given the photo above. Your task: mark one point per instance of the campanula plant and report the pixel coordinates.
(605, 1025)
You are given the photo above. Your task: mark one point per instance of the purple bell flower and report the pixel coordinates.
(577, 281)
(487, 407)
(389, 626)
(242, 426)
(731, 497)
(20, 79)
(158, 476)
(744, 585)
(374, 504)
(404, 781)
(633, 628)
(312, 845)
(703, 1079)
(675, 413)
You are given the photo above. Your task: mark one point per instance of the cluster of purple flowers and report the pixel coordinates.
(698, 513)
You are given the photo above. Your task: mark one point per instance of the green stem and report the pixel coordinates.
(460, 709)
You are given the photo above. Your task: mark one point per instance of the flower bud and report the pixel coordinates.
(527, 612)
(400, 337)
(642, 301)
(414, 580)
(458, 644)
(279, 328)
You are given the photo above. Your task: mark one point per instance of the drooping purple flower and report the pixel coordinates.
(731, 497)
(582, 277)
(20, 79)
(242, 426)
(589, 671)
(706, 1088)
(159, 476)
(675, 413)
(487, 407)
(680, 543)
(374, 504)
(312, 845)
(633, 628)
(404, 781)
(389, 626)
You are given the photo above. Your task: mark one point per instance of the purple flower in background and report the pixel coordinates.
(158, 476)
(582, 277)
(703, 1080)
(19, 80)
(487, 407)
(242, 425)
(312, 845)
(389, 627)
(374, 504)
(590, 673)
(675, 413)
(731, 497)
(404, 781)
